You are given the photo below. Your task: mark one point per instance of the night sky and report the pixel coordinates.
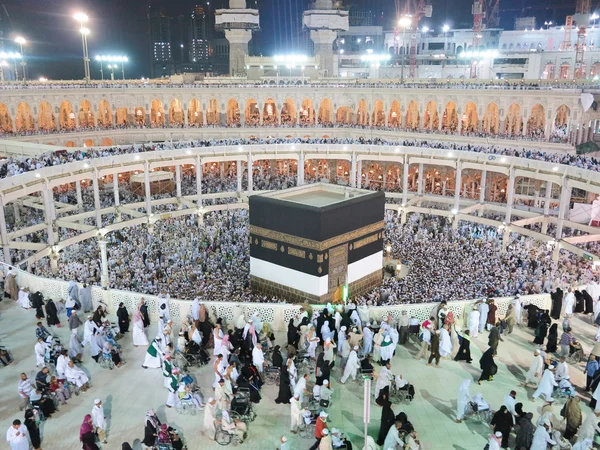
(119, 27)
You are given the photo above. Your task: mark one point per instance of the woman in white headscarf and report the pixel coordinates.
(138, 335)
(195, 309)
(462, 403)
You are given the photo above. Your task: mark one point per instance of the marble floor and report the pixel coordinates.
(129, 391)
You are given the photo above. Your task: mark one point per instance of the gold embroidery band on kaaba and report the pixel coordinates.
(315, 245)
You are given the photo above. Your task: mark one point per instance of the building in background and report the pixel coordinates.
(160, 43)
(220, 56)
(199, 34)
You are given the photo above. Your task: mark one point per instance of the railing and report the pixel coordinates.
(277, 314)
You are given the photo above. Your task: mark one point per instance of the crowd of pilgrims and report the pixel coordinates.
(15, 165)
(185, 260)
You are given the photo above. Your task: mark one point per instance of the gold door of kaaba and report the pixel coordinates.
(338, 271)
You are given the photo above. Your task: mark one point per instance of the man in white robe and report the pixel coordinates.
(535, 369)
(510, 401)
(76, 376)
(195, 309)
(301, 387)
(88, 330)
(483, 308)
(589, 428)
(518, 305)
(367, 340)
(546, 387)
(474, 323)
(62, 363)
(258, 358)
(85, 297)
(462, 403)
(40, 352)
(17, 436)
(387, 349)
(384, 379)
(392, 439)
(445, 343)
(562, 370)
(210, 410)
(153, 354)
(541, 438)
(569, 302)
(352, 365)
(99, 420)
(295, 413)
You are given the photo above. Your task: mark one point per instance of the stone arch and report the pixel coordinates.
(288, 112)
(431, 120)
(562, 116)
(344, 115)
(66, 116)
(251, 113)
(325, 111)
(395, 116)
(362, 113)
(233, 113)
(105, 116)
(491, 119)
(195, 118)
(513, 120)
(88, 143)
(122, 117)
(157, 113)
(46, 120)
(450, 118)
(176, 113)
(412, 118)
(378, 119)
(86, 114)
(470, 118)
(213, 112)
(107, 142)
(307, 112)
(139, 114)
(69, 144)
(536, 121)
(269, 114)
(5, 119)
(24, 118)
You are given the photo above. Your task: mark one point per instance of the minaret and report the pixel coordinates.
(324, 21)
(238, 22)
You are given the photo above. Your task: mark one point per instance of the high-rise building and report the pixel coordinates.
(198, 43)
(159, 42)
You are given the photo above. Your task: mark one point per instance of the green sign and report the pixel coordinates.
(588, 257)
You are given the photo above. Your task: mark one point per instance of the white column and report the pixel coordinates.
(147, 190)
(16, 211)
(420, 180)
(563, 208)
(300, 169)
(47, 196)
(238, 165)
(250, 179)
(4, 234)
(198, 182)
(97, 205)
(547, 199)
(104, 280)
(359, 174)
(353, 170)
(510, 195)
(116, 189)
(457, 185)
(482, 191)
(178, 181)
(78, 194)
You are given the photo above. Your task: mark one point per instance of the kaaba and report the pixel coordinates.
(316, 243)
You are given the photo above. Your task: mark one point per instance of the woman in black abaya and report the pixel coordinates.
(51, 314)
(285, 390)
(557, 298)
(488, 366)
(551, 345)
(123, 317)
(387, 420)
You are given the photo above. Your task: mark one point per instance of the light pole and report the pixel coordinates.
(83, 18)
(100, 59)
(15, 56)
(445, 29)
(404, 22)
(112, 71)
(21, 41)
(3, 64)
(547, 24)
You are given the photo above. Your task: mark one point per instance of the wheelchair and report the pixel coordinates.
(576, 357)
(404, 395)
(479, 414)
(226, 437)
(38, 415)
(180, 360)
(307, 430)
(304, 362)
(242, 409)
(561, 395)
(271, 376)
(185, 407)
(6, 357)
(362, 374)
(106, 361)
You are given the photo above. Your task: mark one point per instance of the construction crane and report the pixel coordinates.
(478, 11)
(414, 10)
(582, 19)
